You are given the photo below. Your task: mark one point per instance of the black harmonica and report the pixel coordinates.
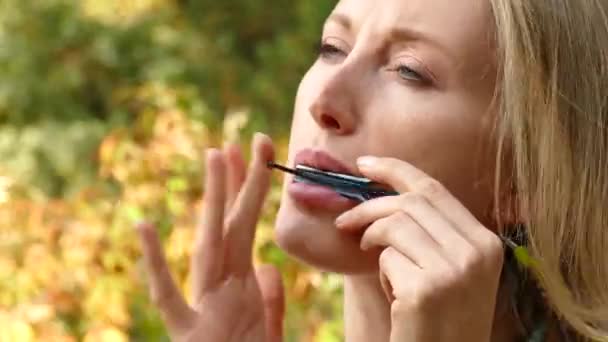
(355, 188)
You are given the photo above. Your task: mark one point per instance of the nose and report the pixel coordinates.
(334, 109)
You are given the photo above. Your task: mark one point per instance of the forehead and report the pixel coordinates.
(458, 25)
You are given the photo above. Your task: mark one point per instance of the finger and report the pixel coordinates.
(236, 174)
(242, 221)
(415, 206)
(397, 272)
(405, 283)
(386, 287)
(207, 257)
(405, 235)
(273, 295)
(176, 313)
(404, 177)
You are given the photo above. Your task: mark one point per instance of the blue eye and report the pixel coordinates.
(408, 74)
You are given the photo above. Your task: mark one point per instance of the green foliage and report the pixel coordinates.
(60, 66)
(105, 109)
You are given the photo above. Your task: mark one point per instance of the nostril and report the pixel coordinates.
(330, 122)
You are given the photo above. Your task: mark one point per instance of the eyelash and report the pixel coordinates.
(404, 68)
(326, 50)
(329, 50)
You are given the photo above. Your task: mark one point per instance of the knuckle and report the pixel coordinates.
(384, 222)
(387, 224)
(449, 279)
(412, 199)
(422, 296)
(386, 258)
(203, 248)
(470, 261)
(494, 250)
(394, 225)
(391, 221)
(403, 218)
(495, 243)
(162, 297)
(390, 163)
(431, 188)
(417, 294)
(398, 215)
(272, 300)
(231, 222)
(375, 231)
(392, 234)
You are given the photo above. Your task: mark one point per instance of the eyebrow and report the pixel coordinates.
(396, 34)
(341, 20)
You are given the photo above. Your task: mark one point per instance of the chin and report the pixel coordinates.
(310, 236)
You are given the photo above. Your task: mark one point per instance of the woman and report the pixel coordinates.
(489, 118)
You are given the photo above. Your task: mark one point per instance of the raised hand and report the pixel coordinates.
(231, 300)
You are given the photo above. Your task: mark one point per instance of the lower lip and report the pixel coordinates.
(319, 197)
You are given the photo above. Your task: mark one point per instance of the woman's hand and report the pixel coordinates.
(440, 267)
(231, 300)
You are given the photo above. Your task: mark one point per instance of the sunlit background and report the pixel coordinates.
(106, 107)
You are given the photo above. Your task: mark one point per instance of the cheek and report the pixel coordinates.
(447, 138)
(425, 127)
(302, 125)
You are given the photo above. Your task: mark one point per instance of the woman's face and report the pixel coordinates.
(408, 79)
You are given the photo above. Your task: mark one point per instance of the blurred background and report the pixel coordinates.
(106, 107)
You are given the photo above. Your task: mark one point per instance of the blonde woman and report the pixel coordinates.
(489, 118)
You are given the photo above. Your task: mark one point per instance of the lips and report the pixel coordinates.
(319, 197)
(321, 160)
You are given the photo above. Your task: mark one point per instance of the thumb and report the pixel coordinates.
(273, 297)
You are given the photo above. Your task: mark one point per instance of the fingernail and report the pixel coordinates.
(211, 152)
(366, 161)
(259, 136)
(141, 224)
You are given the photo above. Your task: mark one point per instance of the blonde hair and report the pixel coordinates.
(553, 85)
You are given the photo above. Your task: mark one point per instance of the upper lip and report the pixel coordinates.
(321, 160)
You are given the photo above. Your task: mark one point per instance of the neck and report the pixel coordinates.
(367, 312)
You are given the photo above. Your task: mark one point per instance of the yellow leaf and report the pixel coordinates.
(12, 329)
(107, 334)
(36, 313)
